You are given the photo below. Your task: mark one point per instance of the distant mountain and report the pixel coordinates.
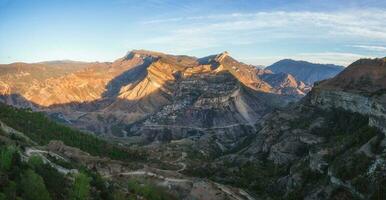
(286, 84)
(304, 71)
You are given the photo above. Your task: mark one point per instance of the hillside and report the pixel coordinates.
(306, 72)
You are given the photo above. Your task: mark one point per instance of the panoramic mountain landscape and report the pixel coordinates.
(234, 104)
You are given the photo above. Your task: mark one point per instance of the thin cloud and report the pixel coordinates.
(339, 58)
(371, 47)
(369, 24)
(194, 33)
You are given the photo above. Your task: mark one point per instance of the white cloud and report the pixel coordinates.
(368, 24)
(280, 28)
(331, 57)
(371, 47)
(339, 58)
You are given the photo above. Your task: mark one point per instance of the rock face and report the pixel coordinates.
(150, 94)
(359, 88)
(304, 71)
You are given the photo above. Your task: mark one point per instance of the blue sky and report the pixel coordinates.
(253, 31)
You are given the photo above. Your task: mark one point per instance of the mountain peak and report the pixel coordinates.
(143, 53)
(221, 56)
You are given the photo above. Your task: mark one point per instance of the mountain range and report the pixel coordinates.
(147, 88)
(190, 126)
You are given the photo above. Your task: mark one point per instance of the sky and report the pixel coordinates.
(258, 32)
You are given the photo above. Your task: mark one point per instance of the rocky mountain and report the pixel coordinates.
(330, 145)
(145, 91)
(306, 72)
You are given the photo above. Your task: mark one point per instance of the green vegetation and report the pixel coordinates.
(33, 187)
(81, 187)
(35, 179)
(339, 122)
(257, 177)
(42, 130)
(6, 158)
(352, 167)
(31, 180)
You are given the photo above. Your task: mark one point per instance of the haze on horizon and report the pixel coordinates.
(260, 33)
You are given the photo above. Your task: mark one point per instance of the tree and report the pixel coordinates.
(81, 187)
(35, 162)
(33, 187)
(6, 158)
(10, 190)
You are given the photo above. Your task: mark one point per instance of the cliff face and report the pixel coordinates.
(374, 107)
(359, 88)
